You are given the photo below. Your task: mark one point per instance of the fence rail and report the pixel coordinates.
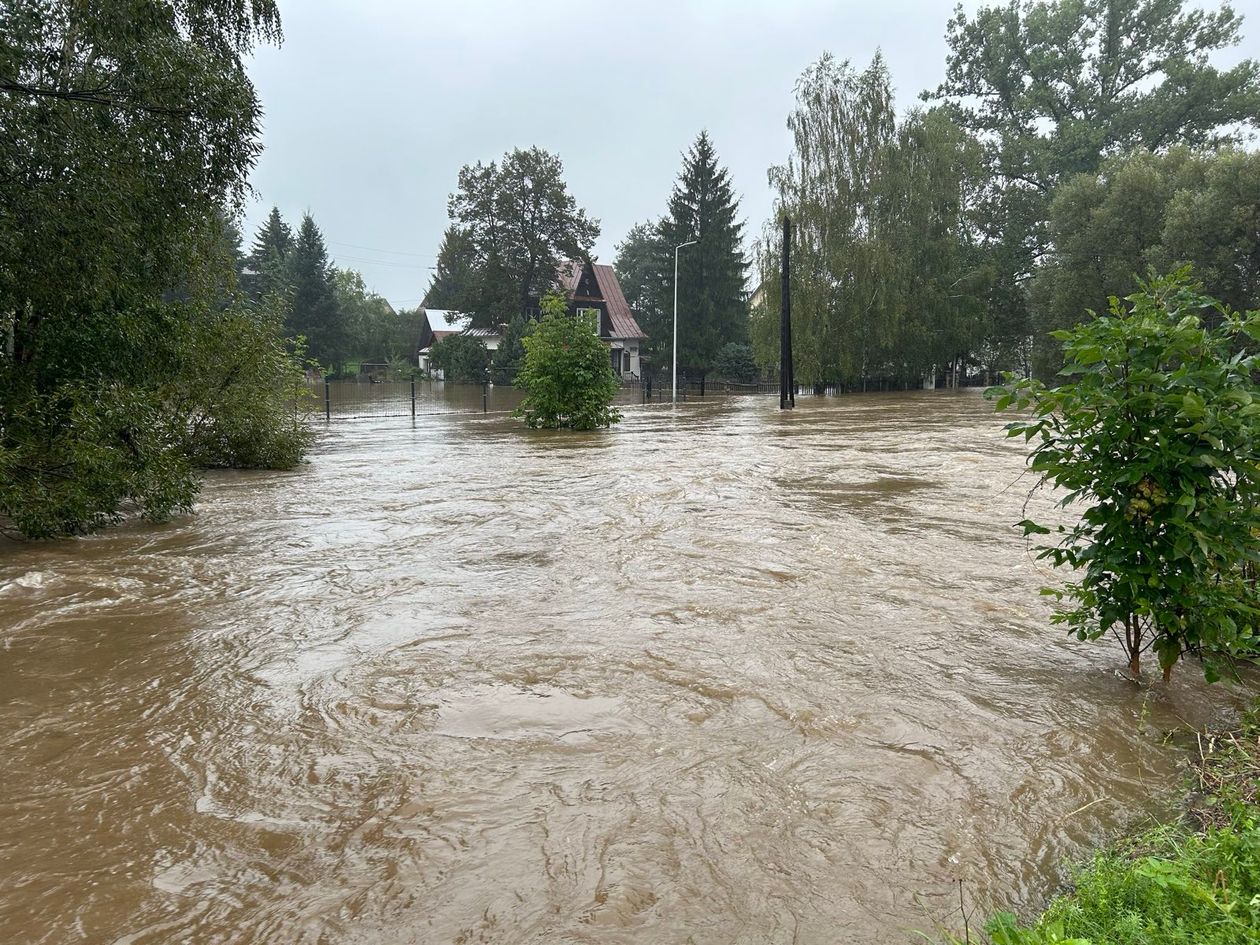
(360, 399)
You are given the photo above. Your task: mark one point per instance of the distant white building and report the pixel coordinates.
(439, 323)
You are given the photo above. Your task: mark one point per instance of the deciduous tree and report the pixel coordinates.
(521, 222)
(1154, 432)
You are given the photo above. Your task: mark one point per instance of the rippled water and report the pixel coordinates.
(719, 675)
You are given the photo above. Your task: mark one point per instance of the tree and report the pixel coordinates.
(127, 130)
(372, 327)
(1161, 211)
(463, 359)
(522, 223)
(1054, 87)
(455, 284)
(644, 267)
(313, 310)
(266, 272)
(1155, 429)
(509, 357)
(735, 363)
(887, 275)
(711, 305)
(567, 378)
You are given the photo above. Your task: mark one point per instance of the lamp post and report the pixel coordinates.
(674, 386)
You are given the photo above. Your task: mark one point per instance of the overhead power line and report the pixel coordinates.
(373, 249)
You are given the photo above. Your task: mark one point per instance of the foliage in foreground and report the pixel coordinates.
(144, 400)
(567, 378)
(127, 132)
(1193, 883)
(1155, 430)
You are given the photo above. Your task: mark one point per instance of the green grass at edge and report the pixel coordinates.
(1196, 882)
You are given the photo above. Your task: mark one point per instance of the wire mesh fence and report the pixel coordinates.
(361, 399)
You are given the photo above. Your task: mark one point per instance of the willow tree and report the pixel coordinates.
(882, 272)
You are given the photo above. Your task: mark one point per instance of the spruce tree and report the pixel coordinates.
(314, 312)
(455, 280)
(265, 272)
(711, 305)
(644, 266)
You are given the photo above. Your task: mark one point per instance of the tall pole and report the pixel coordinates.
(787, 376)
(677, 249)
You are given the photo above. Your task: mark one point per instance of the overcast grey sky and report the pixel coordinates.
(373, 106)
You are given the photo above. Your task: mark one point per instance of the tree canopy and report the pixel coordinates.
(127, 130)
(887, 280)
(1153, 211)
(1053, 88)
(514, 222)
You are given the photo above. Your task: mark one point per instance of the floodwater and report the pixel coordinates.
(719, 675)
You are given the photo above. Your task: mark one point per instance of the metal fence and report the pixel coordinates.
(331, 400)
(658, 389)
(358, 399)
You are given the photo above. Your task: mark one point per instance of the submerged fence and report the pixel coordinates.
(359, 399)
(331, 400)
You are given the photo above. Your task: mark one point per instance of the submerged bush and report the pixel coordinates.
(567, 376)
(1154, 429)
(148, 397)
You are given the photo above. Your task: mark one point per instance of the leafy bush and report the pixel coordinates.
(735, 363)
(149, 396)
(568, 377)
(510, 355)
(1155, 429)
(462, 359)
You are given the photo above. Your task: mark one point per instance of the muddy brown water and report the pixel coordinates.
(719, 675)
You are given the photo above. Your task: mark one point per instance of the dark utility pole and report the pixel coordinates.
(787, 378)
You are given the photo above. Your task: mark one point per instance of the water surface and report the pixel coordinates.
(719, 675)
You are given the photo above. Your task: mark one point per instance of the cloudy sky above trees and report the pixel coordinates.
(372, 107)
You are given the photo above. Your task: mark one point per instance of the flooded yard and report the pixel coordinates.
(721, 674)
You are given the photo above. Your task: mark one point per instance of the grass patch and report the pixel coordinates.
(1195, 882)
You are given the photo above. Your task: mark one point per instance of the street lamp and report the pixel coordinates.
(674, 387)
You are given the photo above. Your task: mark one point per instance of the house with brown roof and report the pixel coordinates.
(592, 287)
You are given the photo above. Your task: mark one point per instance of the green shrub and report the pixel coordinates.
(462, 359)
(567, 377)
(1155, 430)
(150, 396)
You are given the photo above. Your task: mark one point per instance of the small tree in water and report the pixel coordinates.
(567, 376)
(1155, 429)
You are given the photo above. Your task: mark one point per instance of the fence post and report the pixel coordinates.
(485, 395)
(327, 401)
(413, 397)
